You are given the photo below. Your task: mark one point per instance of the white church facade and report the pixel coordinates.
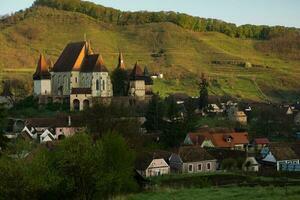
(79, 77)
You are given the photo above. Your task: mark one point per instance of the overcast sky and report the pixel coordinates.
(269, 12)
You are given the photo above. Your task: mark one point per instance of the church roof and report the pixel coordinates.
(93, 63)
(137, 73)
(121, 64)
(79, 56)
(42, 70)
(71, 57)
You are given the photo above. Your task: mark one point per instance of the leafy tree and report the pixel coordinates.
(155, 113)
(174, 133)
(3, 123)
(116, 167)
(119, 81)
(203, 99)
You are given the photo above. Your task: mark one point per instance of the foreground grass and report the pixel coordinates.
(215, 193)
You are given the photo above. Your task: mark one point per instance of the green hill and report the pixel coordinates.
(243, 68)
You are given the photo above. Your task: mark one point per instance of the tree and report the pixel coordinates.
(119, 81)
(203, 99)
(3, 123)
(155, 113)
(116, 167)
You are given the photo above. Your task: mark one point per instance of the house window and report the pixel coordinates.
(190, 168)
(199, 167)
(75, 79)
(208, 166)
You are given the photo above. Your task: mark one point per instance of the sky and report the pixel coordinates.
(267, 12)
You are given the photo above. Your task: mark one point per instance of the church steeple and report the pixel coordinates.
(42, 70)
(121, 64)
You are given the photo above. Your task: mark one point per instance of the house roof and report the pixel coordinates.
(81, 91)
(284, 151)
(219, 137)
(194, 154)
(144, 159)
(42, 69)
(58, 121)
(261, 141)
(221, 154)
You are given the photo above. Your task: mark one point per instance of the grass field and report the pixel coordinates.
(182, 55)
(218, 193)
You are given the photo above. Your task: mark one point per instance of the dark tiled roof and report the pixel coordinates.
(59, 121)
(137, 73)
(194, 154)
(285, 151)
(69, 56)
(93, 63)
(42, 69)
(221, 154)
(81, 91)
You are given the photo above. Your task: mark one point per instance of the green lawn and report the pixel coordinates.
(217, 193)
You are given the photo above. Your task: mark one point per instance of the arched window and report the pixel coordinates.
(103, 84)
(97, 84)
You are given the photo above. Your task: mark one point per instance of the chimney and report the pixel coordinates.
(69, 120)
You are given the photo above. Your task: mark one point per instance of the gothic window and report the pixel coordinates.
(103, 84)
(97, 84)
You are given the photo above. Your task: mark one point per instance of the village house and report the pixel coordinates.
(284, 156)
(250, 165)
(214, 108)
(260, 143)
(49, 129)
(194, 159)
(153, 163)
(237, 116)
(218, 138)
(79, 77)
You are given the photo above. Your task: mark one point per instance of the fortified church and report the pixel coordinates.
(79, 77)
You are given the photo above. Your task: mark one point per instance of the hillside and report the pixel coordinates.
(182, 55)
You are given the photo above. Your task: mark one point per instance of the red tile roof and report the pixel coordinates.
(220, 139)
(261, 141)
(194, 154)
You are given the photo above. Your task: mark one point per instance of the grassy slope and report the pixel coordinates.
(187, 54)
(232, 193)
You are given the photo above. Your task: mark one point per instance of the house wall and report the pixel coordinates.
(137, 88)
(213, 166)
(66, 131)
(157, 167)
(42, 87)
(279, 162)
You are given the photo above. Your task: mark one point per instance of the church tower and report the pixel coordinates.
(137, 82)
(42, 78)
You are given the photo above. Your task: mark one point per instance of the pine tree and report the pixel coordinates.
(203, 99)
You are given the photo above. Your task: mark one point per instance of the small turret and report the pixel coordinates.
(42, 77)
(121, 64)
